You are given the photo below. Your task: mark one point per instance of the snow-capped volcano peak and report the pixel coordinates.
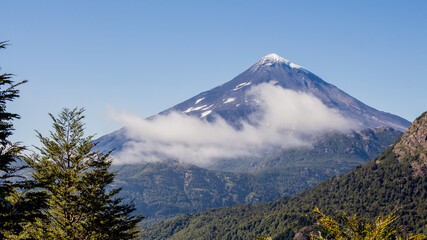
(272, 59)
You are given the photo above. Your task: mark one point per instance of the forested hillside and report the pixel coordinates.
(395, 180)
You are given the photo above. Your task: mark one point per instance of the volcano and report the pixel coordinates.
(232, 102)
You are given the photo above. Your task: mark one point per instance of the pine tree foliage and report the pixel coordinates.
(19, 203)
(81, 206)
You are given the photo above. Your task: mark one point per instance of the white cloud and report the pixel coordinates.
(286, 118)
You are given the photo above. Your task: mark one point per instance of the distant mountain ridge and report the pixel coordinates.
(395, 180)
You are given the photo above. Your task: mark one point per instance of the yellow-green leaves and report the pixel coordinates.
(344, 227)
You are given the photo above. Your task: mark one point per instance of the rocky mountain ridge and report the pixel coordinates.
(413, 144)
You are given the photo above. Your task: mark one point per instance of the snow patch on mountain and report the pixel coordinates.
(204, 114)
(194, 109)
(206, 108)
(229, 100)
(199, 100)
(272, 59)
(293, 65)
(242, 85)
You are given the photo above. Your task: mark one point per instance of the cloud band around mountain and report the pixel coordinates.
(286, 120)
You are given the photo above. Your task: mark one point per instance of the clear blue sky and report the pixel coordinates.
(145, 56)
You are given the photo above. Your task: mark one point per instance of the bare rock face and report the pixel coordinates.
(413, 144)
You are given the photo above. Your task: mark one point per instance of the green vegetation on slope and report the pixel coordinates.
(163, 189)
(385, 184)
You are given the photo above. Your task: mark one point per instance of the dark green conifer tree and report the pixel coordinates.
(76, 179)
(19, 203)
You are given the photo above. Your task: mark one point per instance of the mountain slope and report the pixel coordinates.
(231, 102)
(396, 179)
(163, 190)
